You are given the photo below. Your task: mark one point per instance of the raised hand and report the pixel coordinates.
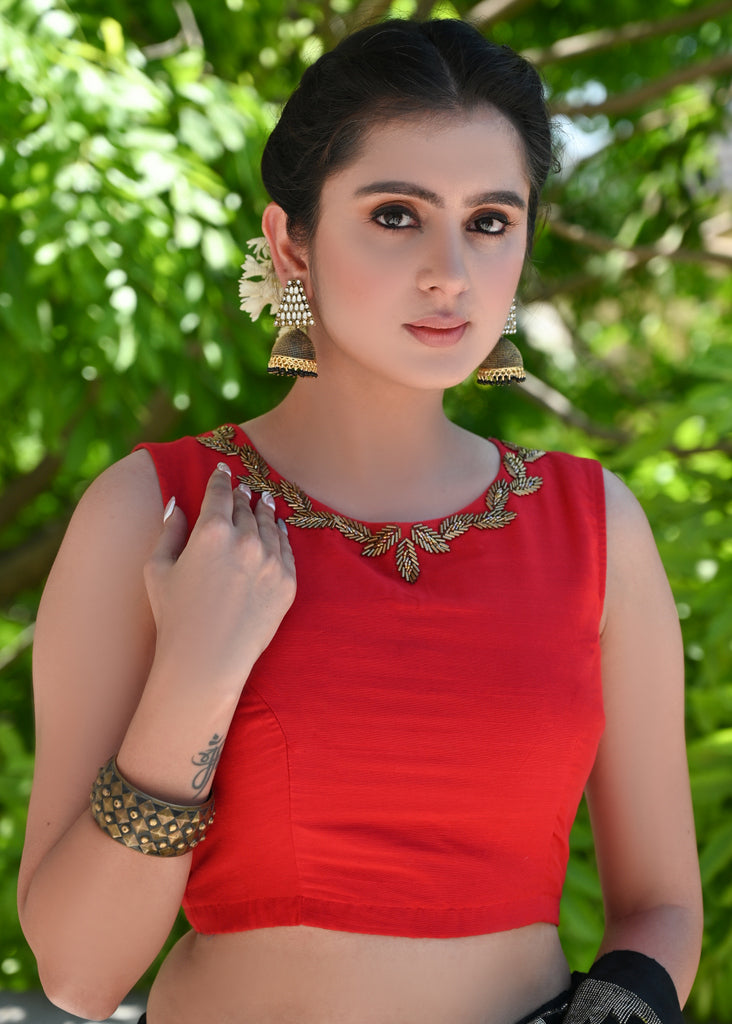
(218, 599)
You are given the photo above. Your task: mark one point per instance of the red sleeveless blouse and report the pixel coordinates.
(408, 754)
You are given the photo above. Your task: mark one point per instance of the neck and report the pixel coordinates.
(363, 433)
(373, 452)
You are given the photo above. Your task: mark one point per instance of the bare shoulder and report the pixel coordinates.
(131, 483)
(95, 586)
(639, 607)
(634, 569)
(623, 509)
(117, 516)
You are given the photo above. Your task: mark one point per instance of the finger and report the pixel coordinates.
(264, 513)
(243, 515)
(218, 498)
(288, 558)
(173, 535)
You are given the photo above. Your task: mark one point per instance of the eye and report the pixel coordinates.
(491, 223)
(395, 218)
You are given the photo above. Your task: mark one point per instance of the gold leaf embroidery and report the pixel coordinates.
(257, 464)
(407, 561)
(526, 454)
(294, 497)
(352, 529)
(526, 485)
(494, 520)
(514, 465)
(376, 544)
(456, 525)
(497, 495)
(521, 483)
(221, 441)
(429, 539)
(311, 520)
(379, 543)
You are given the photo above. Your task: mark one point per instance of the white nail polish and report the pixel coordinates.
(224, 468)
(283, 526)
(268, 499)
(169, 509)
(244, 490)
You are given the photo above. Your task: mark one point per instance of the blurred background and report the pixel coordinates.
(130, 138)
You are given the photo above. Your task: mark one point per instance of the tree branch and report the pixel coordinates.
(636, 254)
(566, 285)
(187, 36)
(424, 9)
(23, 489)
(20, 491)
(554, 402)
(487, 12)
(721, 446)
(606, 38)
(366, 12)
(14, 650)
(25, 566)
(158, 420)
(626, 101)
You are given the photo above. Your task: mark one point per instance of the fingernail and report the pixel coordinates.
(244, 490)
(224, 468)
(282, 525)
(169, 509)
(268, 499)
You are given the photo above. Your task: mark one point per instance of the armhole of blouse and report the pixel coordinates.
(601, 521)
(166, 490)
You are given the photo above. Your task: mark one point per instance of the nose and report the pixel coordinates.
(443, 267)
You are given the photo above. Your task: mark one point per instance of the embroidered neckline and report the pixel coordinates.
(375, 543)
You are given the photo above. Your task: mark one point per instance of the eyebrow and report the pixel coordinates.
(506, 197)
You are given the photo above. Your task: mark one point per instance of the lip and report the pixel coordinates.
(438, 332)
(439, 321)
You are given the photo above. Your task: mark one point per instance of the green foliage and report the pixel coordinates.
(128, 182)
(120, 225)
(16, 768)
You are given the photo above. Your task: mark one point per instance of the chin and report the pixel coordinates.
(442, 383)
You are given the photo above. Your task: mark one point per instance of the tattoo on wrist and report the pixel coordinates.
(206, 761)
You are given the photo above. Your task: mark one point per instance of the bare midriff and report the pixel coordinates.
(303, 975)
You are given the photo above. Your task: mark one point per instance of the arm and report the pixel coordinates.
(141, 649)
(638, 792)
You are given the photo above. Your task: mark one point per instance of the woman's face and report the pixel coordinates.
(419, 248)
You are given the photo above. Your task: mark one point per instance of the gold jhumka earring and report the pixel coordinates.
(503, 364)
(293, 354)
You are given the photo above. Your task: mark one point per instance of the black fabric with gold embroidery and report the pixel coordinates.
(622, 987)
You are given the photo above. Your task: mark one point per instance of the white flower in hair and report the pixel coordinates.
(255, 295)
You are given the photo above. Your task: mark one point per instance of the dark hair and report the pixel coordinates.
(397, 69)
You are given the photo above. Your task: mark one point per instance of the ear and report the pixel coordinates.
(289, 258)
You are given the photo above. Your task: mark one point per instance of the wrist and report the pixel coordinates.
(172, 747)
(143, 822)
(179, 768)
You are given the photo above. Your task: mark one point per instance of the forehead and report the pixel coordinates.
(465, 150)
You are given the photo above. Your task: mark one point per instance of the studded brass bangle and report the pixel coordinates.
(143, 822)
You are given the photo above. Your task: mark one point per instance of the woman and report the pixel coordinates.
(397, 743)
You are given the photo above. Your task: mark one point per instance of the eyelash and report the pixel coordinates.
(402, 211)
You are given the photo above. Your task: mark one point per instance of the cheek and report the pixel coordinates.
(505, 263)
(350, 276)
